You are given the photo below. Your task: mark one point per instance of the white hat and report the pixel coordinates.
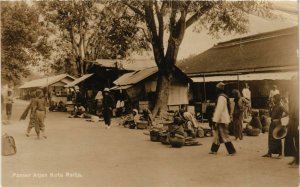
(106, 90)
(220, 85)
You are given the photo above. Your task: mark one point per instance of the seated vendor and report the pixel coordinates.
(254, 127)
(191, 126)
(130, 120)
(79, 111)
(147, 116)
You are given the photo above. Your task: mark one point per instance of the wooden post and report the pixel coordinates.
(204, 87)
(238, 79)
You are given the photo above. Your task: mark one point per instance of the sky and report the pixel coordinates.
(195, 43)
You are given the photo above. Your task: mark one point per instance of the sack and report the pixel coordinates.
(8, 145)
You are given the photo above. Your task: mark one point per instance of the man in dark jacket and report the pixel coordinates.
(107, 105)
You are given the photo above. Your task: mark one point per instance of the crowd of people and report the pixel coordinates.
(223, 120)
(223, 116)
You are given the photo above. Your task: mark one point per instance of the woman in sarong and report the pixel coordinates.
(237, 116)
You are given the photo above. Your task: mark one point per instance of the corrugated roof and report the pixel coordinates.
(135, 77)
(41, 83)
(80, 79)
(266, 50)
(125, 64)
(121, 87)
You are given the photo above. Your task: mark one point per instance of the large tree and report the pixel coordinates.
(23, 40)
(93, 30)
(172, 18)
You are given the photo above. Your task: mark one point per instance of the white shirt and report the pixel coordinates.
(221, 114)
(246, 93)
(273, 92)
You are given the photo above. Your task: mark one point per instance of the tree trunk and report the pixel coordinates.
(162, 93)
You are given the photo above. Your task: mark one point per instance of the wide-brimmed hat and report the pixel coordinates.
(220, 86)
(106, 90)
(279, 132)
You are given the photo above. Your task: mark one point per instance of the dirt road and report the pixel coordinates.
(81, 153)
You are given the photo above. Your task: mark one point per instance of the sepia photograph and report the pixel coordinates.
(149, 93)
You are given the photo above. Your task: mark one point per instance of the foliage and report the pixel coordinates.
(171, 19)
(93, 30)
(23, 38)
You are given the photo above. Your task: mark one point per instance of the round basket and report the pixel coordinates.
(154, 136)
(176, 142)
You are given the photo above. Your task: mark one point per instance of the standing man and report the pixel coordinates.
(107, 105)
(39, 112)
(8, 104)
(274, 91)
(247, 95)
(221, 119)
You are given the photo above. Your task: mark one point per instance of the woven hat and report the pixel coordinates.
(94, 118)
(279, 132)
(106, 90)
(220, 86)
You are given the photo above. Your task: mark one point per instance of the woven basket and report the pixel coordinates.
(154, 136)
(142, 125)
(176, 142)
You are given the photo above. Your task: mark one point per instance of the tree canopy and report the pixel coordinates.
(93, 30)
(23, 40)
(168, 21)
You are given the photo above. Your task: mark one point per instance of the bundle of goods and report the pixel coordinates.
(177, 135)
(142, 125)
(191, 141)
(8, 145)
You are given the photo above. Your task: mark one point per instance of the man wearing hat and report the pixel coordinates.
(221, 119)
(277, 112)
(107, 105)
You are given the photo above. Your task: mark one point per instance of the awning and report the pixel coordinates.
(44, 82)
(268, 76)
(215, 78)
(248, 77)
(121, 87)
(80, 79)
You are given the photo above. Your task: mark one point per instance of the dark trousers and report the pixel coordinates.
(8, 109)
(107, 116)
(229, 146)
